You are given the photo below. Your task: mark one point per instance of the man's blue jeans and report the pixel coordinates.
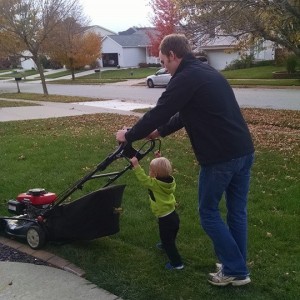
(231, 178)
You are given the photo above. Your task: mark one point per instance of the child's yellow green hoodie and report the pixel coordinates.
(161, 192)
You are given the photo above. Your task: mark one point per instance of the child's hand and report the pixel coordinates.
(153, 135)
(157, 154)
(134, 161)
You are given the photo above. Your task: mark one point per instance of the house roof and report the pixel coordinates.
(131, 40)
(219, 42)
(100, 28)
(130, 30)
(138, 30)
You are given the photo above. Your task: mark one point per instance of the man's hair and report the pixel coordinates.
(161, 167)
(178, 43)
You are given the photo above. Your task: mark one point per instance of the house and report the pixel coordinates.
(100, 30)
(131, 47)
(27, 62)
(221, 51)
(127, 49)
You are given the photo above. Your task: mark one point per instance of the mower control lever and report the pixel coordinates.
(128, 151)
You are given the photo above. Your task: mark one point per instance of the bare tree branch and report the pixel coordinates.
(274, 20)
(30, 23)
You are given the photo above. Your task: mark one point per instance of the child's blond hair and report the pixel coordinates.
(161, 167)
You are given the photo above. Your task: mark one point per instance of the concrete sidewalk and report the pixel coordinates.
(21, 281)
(25, 281)
(44, 110)
(35, 78)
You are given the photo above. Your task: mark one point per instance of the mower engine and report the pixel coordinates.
(33, 200)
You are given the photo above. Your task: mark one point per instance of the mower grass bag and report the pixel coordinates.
(92, 216)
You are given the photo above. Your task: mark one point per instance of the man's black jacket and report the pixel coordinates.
(200, 99)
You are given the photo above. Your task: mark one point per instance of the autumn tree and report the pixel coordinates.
(73, 45)
(247, 20)
(165, 19)
(28, 25)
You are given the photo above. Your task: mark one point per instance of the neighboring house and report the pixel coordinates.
(127, 49)
(27, 63)
(103, 32)
(100, 30)
(265, 50)
(131, 47)
(221, 51)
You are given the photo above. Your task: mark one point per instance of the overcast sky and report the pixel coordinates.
(117, 15)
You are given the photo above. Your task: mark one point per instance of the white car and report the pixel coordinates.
(160, 78)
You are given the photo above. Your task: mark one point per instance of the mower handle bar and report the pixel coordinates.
(124, 150)
(127, 151)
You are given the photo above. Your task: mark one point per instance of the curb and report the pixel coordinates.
(45, 256)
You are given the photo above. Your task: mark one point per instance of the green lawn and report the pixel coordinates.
(258, 76)
(264, 72)
(244, 77)
(54, 153)
(131, 73)
(62, 73)
(22, 74)
(264, 82)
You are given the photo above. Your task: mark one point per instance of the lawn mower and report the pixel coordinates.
(41, 216)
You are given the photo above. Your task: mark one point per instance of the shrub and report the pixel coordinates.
(4, 63)
(9, 62)
(243, 63)
(94, 65)
(145, 65)
(291, 63)
(263, 63)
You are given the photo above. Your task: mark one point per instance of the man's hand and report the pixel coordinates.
(120, 135)
(134, 161)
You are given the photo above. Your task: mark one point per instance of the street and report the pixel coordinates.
(274, 98)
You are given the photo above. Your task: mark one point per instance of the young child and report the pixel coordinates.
(161, 185)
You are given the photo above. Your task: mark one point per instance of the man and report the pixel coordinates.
(200, 99)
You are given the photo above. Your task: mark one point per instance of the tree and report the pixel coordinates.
(30, 24)
(247, 20)
(74, 45)
(166, 20)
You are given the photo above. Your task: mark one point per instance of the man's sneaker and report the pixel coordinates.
(219, 267)
(170, 267)
(160, 246)
(221, 280)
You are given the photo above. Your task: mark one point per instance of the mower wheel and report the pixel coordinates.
(36, 237)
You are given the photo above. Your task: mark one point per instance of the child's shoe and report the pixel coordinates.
(170, 267)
